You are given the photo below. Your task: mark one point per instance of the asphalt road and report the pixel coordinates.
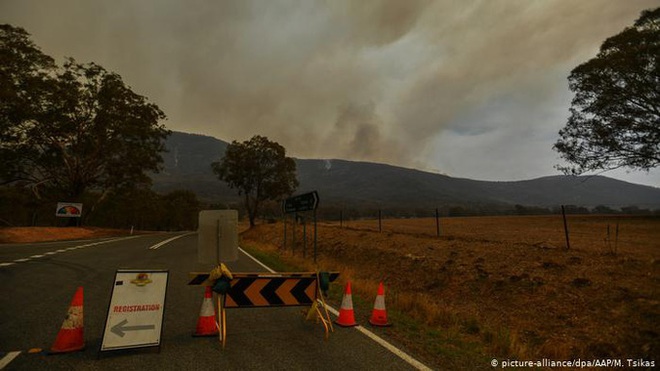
(38, 281)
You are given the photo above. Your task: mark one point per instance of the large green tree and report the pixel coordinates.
(615, 114)
(181, 210)
(259, 169)
(26, 80)
(73, 128)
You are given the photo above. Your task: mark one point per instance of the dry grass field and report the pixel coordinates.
(497, 287)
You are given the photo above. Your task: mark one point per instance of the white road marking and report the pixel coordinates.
(8, 358)
(160, 244)
(60, 242)
(396, 351)
(257, 261)
(64, 250)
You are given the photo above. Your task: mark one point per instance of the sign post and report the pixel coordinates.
(217, 236)
(304, 202)
(136, 310)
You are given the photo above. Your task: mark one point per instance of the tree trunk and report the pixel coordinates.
(249, 209)
(94, 205)
(252, 206)
(76, 195)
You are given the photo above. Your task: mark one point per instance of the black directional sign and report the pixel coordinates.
(304, 202)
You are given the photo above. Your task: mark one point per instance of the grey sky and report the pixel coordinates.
(472, 89)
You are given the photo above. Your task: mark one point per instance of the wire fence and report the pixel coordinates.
(566, 227)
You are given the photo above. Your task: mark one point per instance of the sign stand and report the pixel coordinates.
(315, 236)
(314, 310)
(217, 229)
(258, 289)
(222, 321)
(293, 205)
(136, 310)
(217, 243)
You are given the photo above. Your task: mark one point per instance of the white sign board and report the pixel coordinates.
(137, 306)
(217, 236)
(69, 210)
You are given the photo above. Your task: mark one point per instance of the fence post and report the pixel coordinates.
(563, 213)
(437, 221)
(304, 223)
(380, 222)
(293, 238)
(314, 236)
(616, 238)
(608, 240)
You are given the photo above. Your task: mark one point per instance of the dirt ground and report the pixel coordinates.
(43, 234)
(504, 286)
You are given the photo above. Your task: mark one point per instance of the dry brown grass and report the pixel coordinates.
(42, 234)
(504, 283)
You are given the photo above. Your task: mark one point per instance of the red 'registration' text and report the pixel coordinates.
(135, 308)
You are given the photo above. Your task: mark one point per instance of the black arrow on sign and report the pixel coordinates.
(268, 292)
(298, 291)
(237, 291)
(119, 328)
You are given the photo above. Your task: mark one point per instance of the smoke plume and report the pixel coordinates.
(368, 80)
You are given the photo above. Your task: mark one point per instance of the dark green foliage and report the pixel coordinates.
(125, 208)
(72, 129)
(24, 78)
(603, 209)
(140, 208)
(259, 170)
(181, 209)
(615, 114)
(18, 207)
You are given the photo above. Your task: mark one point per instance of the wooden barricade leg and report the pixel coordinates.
(222, 321)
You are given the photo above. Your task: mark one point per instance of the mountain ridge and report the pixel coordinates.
(187, 165)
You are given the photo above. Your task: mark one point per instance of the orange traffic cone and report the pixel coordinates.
(70, 338)
(346, 315)
(379, 314)
(206, 325)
